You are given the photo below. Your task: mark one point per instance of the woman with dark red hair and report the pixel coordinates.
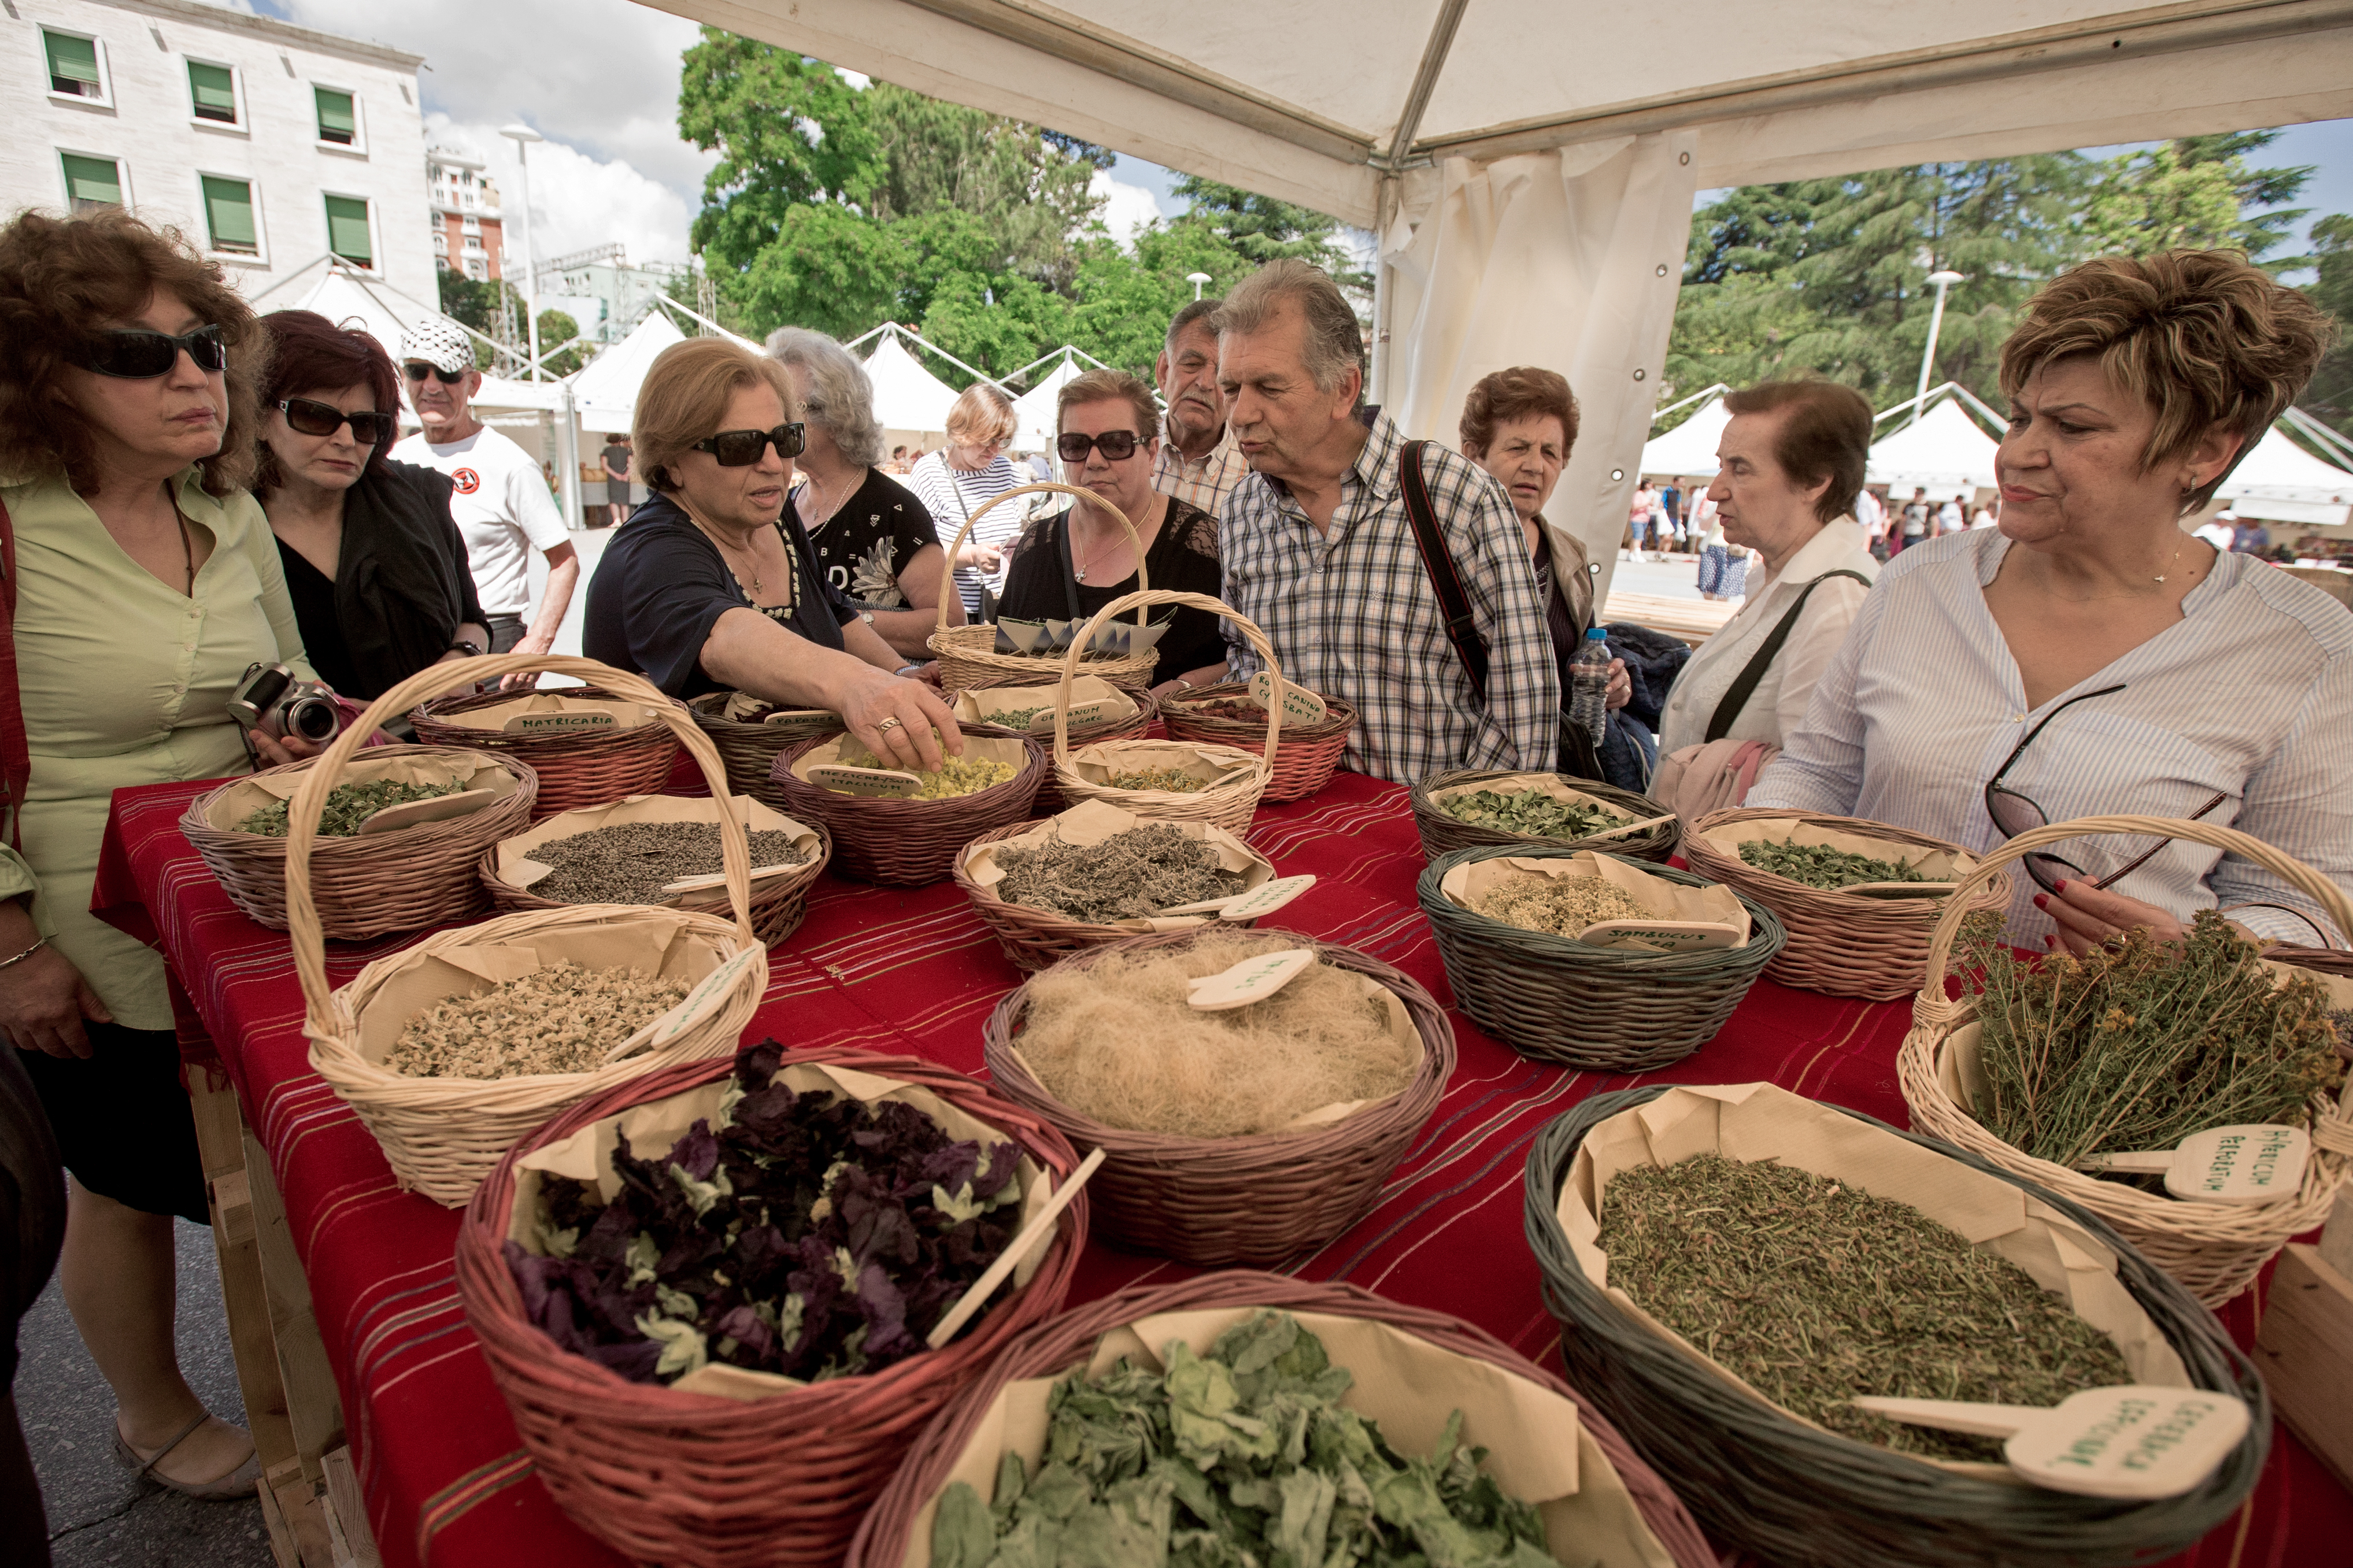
(375, 566)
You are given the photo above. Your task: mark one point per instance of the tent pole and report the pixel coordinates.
(567, 455)
(1377, 383)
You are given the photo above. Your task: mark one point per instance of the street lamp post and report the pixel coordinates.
(1197, 279)
(1943, 280)
(523, 136)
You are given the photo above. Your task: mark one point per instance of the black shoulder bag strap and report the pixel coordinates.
(1453, 602)
(1743, 685)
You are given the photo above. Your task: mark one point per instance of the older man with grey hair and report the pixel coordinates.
(1198, 461)
(873, 538)
(1321, 551)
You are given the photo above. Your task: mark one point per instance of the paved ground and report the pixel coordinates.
(1676, 577)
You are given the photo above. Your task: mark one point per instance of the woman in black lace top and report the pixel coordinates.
(1071, 562)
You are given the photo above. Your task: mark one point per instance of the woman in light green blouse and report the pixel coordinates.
(147, 581)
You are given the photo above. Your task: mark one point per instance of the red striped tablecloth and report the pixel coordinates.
(914, 972)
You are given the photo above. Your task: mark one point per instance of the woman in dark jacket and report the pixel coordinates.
(376, 569)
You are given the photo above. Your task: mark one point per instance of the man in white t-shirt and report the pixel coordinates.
(499, 498)
(2220, 530)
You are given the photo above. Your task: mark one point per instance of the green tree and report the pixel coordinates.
(2155, 200)
(2331, 396)
(788, 132)
(1261, 230)
(2259, 232)
(556, 329)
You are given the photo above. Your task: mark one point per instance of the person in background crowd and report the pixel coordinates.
(374, 563)
(875, 541)
(1913, 527)
(1988, 515)
(1648, 531)
(965, 476)
(1872, 513)
(2221, 530)
(1793, 454)
(1723, 566)
(147, 581)
(2087, 658)
(1073, 561)
(1198, 462)
(1318, 552)
(898, 463)
(1951, 517)
(2250, 537)
(710, 586)
(499, 498)
(616, 458)
(1637, 523)
(1671, 515)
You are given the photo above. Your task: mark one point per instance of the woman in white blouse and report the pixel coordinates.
(965, 476)
(2086, 655)
(1792, 457)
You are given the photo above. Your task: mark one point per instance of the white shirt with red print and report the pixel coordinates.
(502, 504)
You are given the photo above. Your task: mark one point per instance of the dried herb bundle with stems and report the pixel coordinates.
(1822, 866)
(347, 805)
(2142, 1043)
(1530, 812)
(1174, 781)
(1136, 872)
(1813, 1293)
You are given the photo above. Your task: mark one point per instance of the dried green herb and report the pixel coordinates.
(1821, 865)
(1136, 872)
(2143, 1043)
(347, 806)
(1530, 812)
(1814, 1294)
(1242, 1456)
(631, 862)
(1175, 781)
(1016, 717)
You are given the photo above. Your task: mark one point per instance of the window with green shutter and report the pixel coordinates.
(347, 230)
(228, 214)
(92, 183)
(213, 90)
(73, 64)
(338, 122)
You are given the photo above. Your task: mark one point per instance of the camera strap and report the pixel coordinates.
(16, 754)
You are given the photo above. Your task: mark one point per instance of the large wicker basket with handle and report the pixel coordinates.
(1251, 1200)
(1230, 801)
(1132, 726)
(1442, 832)
(903, 843)
(442, 1135)
(1840, 943)
(577, 767)
(2215, 1249)
(750, 751)
(678, 1477)
(1068, 1344)
(967, 654)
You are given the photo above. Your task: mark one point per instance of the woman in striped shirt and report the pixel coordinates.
(965, 475)
(2086, 655)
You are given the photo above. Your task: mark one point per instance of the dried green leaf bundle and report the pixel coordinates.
(1136, 872)
(1530, 812)
(1241, 1456)
(631, 862)
(561, 1018)
(1013, 718)
(1558, 906)
(1117, 1041)
(347, 805)
(1822, 866)
(1175, 781)
(2143, 1043)
(1813, 1293)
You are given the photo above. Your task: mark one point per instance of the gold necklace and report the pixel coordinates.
(2133, 594)
(791, 566)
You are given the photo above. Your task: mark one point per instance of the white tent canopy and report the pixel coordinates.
(605, 390)
(2281, 482)
(906, 395)
(1943, 453)
(1037, 408)
(1689, 449)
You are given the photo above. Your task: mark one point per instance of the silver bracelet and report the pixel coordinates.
(28, 952)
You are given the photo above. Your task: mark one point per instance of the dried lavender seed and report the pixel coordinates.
(631, 862)
(1134, 873)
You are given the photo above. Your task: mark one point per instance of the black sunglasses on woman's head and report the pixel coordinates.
(741, 449)
(307, 417)
(137, 353)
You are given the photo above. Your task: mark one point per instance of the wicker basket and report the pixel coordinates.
(1840, 944)
(1050, 801)
(1034, 938)
(577, 767)
(1310, 753)
(441, 1136)
(779, 903)
(398, 881)
(1789, 1492)
(967, 654)
(750, 751)
(1442, 833)
(687, 1479)
(1259, 1200)
(2215, 1249)
(904, 843)
(1233, 801)
(1068, 1343)
(1610, 1009)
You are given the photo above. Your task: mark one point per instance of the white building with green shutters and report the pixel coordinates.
(269, 145)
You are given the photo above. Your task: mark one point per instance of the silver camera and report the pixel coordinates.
(275, 701)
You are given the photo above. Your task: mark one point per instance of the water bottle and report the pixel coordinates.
(1588, 678)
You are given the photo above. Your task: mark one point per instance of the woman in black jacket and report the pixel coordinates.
(376, 569)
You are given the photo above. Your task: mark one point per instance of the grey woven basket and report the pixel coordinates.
(1611, 1009)
(1792, 1493)
(1442, 833)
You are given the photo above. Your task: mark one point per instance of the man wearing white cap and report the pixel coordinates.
(499, 499)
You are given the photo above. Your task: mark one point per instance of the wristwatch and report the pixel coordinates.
(471, 649)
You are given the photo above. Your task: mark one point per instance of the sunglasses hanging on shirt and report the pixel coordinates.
(1116, 445)
(741, 449)
(309, 417)
(135, 353)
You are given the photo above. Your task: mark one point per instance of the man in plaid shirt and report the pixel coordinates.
(1318, 552)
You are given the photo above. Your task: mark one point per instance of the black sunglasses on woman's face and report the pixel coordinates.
(307, 417)
(136, 354)
(1116, 445)
(741, 449)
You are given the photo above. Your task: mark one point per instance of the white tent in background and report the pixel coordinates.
(1689, 449)
(1943, 453)
(605, 390)
(1037, 410)
(907, 397)
(2281, 482)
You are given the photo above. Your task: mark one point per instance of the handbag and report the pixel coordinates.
(15, 752)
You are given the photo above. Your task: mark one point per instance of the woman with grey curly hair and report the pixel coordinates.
(874, 540)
